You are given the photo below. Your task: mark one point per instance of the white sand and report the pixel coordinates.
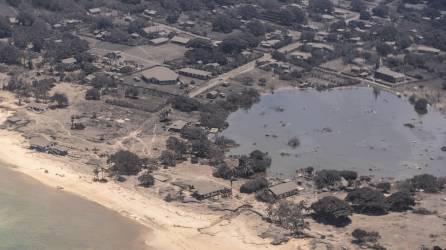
(171, 227)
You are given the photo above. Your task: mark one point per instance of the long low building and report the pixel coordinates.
(195, 73)
(389, 75)
(160, 75)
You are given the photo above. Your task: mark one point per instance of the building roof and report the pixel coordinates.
(94, 10)
(179, 39)
(178, 124)
(203, 188)
(424, 49)
(320, 46)
(195, 72)
(302, 55)
(290, 47)
(159, 40)
(162, 74)
(283, 188)
(389, 72)
(70, 60)
(39, 141)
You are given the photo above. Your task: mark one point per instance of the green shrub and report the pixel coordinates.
(362, 236)
(400, 201)
(427, 182)
(349, 175)
(332, 210)
(367, 201)
(326, 178)
(146, 180)
(254, 185)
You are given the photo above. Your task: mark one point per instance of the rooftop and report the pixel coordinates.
(195, 72)
(160, 73)
(203, 188)
(159, 40)
(283, 188)
(39, 141)
(179, 39)
(389, 72)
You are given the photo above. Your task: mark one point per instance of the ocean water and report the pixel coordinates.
(352, 128)
(37, 217)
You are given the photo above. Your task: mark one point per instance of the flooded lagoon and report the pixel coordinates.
(33, 216)
(354, 128)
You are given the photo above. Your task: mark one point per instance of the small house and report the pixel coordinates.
(160, 75)
(195, 73)
(40, 143)
(207, 190)
(94, 11)
(177, 126)
(284, 190)
(159, 41)
(180, 40)
(69, 61)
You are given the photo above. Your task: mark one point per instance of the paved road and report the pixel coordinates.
(224, 77)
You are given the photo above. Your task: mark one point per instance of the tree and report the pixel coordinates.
(125, 162)
(421, 106)
(348, 175)
(400, 201)
(224, 171)
(381, 11)
(5, 28)
(384, 49)
(146, 180)
(247, 11)
(26, 17)
(254, 185)
(367, 201)
(14, 3)
(132, 93)
(199, 43)
(168, 158)
(214, 120)
(225, 24)
(61, 100)
(260, 161)
(176, 145)
(426, 182)
(365, 15)
(327, 178)
(193, 133)
(256, 27)
(9, 54)
(185, 104)
(358, 5)
(233, 45)
(288, 215)
(321, 6)
(362, 236)
(332, 210)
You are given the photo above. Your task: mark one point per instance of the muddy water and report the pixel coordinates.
(33, 216)
(354, 128)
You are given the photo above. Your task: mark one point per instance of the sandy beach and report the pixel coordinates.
(171, 227)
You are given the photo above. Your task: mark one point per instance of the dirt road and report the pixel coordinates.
(226, 76)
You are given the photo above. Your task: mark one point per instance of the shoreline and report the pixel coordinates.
(169, 226)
